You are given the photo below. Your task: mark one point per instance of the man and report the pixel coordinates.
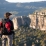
(7, 30)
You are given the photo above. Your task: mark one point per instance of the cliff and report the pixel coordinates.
(36, 21)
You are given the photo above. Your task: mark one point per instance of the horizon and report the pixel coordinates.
(23, 1)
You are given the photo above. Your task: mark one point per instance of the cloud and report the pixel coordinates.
(29, 7)
(14, 12)
(24, 0)
(18, 5)
(12, 16)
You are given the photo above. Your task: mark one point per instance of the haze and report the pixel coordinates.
(14, 1)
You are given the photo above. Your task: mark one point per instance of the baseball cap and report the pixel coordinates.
(8, 13)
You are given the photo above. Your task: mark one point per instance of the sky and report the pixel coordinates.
(24, 0)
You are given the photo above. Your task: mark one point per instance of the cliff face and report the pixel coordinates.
(36, 21)
(21, 21)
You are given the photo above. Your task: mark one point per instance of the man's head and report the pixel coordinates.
(7, 15)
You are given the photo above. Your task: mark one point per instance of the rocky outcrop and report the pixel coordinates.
(21, 21)
(36, 21)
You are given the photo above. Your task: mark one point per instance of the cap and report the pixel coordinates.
(7, 13)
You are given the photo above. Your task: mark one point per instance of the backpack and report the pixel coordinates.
(6, 26)
(1, 27)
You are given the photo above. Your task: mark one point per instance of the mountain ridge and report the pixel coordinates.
(20, 9)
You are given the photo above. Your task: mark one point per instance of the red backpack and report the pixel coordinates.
(0, 27)
(8, 26)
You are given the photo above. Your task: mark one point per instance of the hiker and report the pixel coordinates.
(7, 29)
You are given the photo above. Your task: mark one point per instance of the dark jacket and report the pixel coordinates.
(4, 29)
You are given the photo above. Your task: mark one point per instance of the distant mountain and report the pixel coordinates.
(20, 9)
(3, 2)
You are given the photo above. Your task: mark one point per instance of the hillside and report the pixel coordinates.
(20, 9)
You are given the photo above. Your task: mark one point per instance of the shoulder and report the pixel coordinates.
(3, 20)
(11, 21)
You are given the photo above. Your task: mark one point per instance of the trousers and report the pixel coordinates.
(9, 39)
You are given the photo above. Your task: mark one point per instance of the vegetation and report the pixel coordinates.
(29, 36)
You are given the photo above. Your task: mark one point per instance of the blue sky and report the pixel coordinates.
(24, 0)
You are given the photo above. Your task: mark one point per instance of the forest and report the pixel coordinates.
(29, 36)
